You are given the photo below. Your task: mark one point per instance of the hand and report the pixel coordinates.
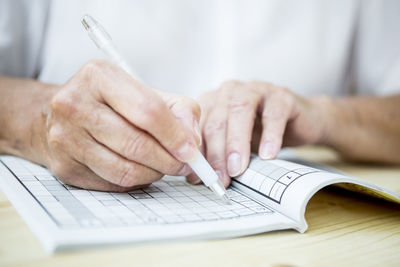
(258, 115)
(106, 131)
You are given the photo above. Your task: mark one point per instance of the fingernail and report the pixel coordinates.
(186, 170)
(196, 129)
(195, 182)
(187, 152)
(267, 150)
(234, 164)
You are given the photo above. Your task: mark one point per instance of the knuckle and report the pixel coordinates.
(285, 90)
(255, 83)
(216, 161)
(64, 102)
(173, 168)
(93, 74)
(93, 68)
(183, 105)
(207, 96)
(85, 154)
(152, 111)
(284, 96)
(99, 118)
(274, 113)
(213, 127)
(288, 96)
(121, 189)
(127, 176)
(239, 105)
(134, 145)
(258, 88)
(227, 87)
(132, 175)
(282, 93)
(281, 100)
(180, 138)
(195, 107)
(56, 137)
(238, 143)
(230, 84)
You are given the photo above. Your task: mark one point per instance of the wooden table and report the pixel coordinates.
(344, 229)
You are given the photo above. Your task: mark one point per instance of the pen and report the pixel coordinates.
(200, 165)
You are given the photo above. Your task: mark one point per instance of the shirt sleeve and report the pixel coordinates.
(22, 29)
(377, 48)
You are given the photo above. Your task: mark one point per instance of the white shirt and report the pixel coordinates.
(188, 46)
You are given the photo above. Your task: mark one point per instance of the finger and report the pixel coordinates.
(141, 106)
(275, 115)
(242, 112)
(192, 178)
(186, 110)
(116, 133)
(80, 176)
(214, 132)
(109, 165)
(74, 173)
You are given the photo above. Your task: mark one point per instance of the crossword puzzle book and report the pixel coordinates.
(270, 195)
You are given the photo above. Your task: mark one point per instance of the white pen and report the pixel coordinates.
(200, 165)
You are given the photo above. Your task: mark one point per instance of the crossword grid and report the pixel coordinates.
(269, 179)
(166, 201)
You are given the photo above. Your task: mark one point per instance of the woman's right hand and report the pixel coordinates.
(106, 131)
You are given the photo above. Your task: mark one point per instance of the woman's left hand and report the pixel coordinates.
(241, 117)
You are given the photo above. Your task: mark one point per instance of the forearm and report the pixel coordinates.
(21, 107)
(364, 128)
